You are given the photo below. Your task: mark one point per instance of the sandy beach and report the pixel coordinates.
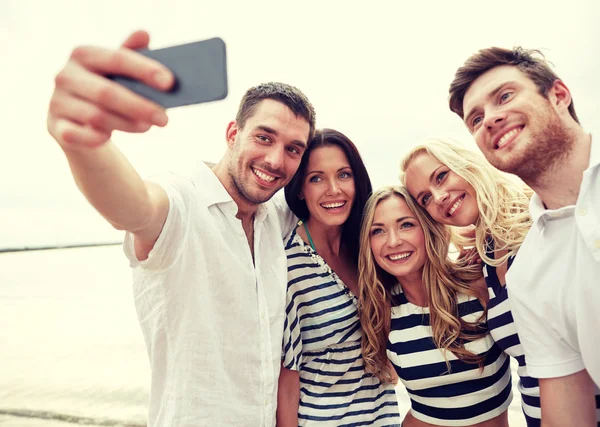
(72, 351)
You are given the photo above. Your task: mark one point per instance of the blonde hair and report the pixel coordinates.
(443, 281)
(502, 199)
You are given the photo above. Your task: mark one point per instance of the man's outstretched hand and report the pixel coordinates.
(86, 106)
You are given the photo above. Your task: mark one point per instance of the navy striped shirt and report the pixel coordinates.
(322, 341)
(504, 332)
(461, 396)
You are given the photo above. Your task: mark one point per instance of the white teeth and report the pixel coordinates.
(396, 257)
(455, 206)
(333, 205)
(263, 176)
(507, 136)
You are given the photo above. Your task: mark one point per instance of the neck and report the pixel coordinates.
(246, 209)
(414, 288)
(559, 185)
(325, 237)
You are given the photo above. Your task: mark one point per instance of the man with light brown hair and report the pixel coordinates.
(523, 120)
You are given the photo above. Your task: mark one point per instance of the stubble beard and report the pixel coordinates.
(243, 187)
(548, 146)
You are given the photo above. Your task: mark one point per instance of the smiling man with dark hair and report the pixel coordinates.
(207, 254)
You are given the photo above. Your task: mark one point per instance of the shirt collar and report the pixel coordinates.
(536, 207)
(207, 182)
(215, 193)
(538, 211)
(594, 153)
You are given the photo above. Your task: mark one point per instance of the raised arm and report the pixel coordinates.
(85, 109)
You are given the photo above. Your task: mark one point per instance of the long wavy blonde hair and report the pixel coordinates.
(442, 278)
(503, 200)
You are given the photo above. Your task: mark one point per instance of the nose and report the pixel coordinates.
(333, 187)
(275, 157)
(493, 118)
(440, 196)
(394, 239)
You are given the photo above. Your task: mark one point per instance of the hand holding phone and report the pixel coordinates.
(86, 106)
(200, 71)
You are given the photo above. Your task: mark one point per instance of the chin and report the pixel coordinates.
(335, 222)
(262, 196)
(331, 220)
(405, 270)
(460, 222)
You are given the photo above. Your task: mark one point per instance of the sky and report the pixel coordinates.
(378, 71)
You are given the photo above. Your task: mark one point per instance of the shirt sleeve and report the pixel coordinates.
(547, 354)
(287, 220)
(171, 240)
(292, 338)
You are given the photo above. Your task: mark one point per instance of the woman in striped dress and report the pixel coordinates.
(323, 379)
(426, 315)
(458, 187)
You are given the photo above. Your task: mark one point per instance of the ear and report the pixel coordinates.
(560, 95)
(300, 196)
(232, 130)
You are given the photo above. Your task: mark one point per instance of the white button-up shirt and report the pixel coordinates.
(554, 283)
(212, 319)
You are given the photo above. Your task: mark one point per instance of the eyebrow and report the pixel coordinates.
(379, 224)
(489, 95)
(267, 129)
(339, 170)
(430, 179)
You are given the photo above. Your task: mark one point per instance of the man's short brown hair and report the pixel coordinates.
(288, 95)
(530, 61)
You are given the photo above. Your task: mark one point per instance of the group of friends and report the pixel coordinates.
(307, 306)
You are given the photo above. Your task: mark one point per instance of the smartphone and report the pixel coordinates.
(200, 71)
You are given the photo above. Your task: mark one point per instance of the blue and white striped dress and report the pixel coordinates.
(504, 332)
(463, 396)
(322, 340)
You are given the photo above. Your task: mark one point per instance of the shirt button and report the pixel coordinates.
(582, 212)
(597, 243)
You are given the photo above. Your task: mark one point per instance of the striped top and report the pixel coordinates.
(322, 340)
(504, 332)
(464, 395)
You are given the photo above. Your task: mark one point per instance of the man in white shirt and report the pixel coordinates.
(210, 271)
(523, 120)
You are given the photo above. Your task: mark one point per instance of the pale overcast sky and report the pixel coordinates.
(378, 71)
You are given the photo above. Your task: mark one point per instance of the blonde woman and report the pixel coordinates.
(458, 187)
(426, 315)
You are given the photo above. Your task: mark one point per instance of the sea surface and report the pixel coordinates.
(71, 350)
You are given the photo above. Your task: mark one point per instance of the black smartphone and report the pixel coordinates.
(200, 70)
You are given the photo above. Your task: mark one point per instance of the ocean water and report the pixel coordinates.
(70, 343)
(71, 351)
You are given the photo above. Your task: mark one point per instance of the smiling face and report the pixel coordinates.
(516, 128)
(266, 152)
(328, 188)
(446, 196)
(397, 239)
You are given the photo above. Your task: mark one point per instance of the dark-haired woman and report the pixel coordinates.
(323, 379)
